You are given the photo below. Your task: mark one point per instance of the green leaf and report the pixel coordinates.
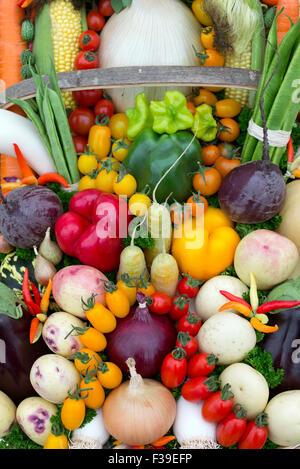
(287, 291)
(17, 440)
(8, 302)
(119, 5)
(243, 229)
(262, 361)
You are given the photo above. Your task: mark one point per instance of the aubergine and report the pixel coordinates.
(284, 346)
(18, 356)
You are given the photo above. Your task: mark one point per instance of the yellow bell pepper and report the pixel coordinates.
(204, 251)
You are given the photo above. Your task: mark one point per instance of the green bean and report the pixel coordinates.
(258, 47)
(40, 87)
(54, 138)
(55, 85)
(63, 127)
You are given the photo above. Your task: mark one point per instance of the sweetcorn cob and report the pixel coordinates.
(239, 61)
(58, 27)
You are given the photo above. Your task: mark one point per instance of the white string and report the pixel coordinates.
(276, 138)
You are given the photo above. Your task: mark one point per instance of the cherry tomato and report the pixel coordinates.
(188, 343)
(188, 286)
(80, 143)
(256, 433)
(201, 364)
(105, 8)
(95, 21)
(87, 98)
(199, 389)
(118, 125)
(225, 165)
(162, 303)
(211, 58)
(210, 154)
(180, 213)
(228, 108)
(104, 106)
(180, 306)
(86, 60)
(227, 149)
(218, 406)
(191, 107)
(81, 120)
(198, 204)
(231, 130)
(231, 429)
(89, 40)
(190, 323)
(205, 97)
(173, 368)
(208, 37)
(209, 183)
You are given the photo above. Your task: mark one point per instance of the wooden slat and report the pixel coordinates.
(142, 76)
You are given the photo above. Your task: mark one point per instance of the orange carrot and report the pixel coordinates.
(10, 168)
(290, 13)
(164, 440)
(11, 43)
(28, 176)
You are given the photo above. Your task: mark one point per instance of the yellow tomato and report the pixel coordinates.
(148, 291)
(119, 150)
(206, 250)
(105, 180)
(139, 204)
(72, 413)
(130, 292)
(208, 36)
(118, 125)
(93, 340)
(118, 303)
(127, 186)
(228, 108)
(110, 375)
(101, 318)
(94, 395)
(87, 163)
(205, 97)
(82, 365)
(200, 13)
(87, 182)
(56, 442)
(99, 140)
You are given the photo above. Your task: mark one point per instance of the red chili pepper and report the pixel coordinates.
(33, 308)
(52, 177)
(290, 149)
(232, 297)
(272, 305)
(36, 293)
(33, 329)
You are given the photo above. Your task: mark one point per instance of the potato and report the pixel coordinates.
(56, 328)
(7, 414)
(249, 387)
(209, 299)
(268, 255)
(284, 418)
(53, 376)
(228, 336)
(33, 416)
(72, 283)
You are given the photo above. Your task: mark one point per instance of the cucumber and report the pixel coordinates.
(27, 31)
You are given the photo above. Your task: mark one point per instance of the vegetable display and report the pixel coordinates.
(149, 235)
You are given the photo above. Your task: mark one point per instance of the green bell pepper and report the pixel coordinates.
(172, 114)
(205, 126)
(139, 118)
(152, 155)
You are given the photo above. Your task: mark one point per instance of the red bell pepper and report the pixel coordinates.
(93, 229)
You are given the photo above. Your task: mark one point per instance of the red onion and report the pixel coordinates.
(143, 336)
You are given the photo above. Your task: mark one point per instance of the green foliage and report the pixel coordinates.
(143, 243)
(243, 229)
(25, 254)
(262, 361)
(119, 5)
(243, 120)
(17, 440)
(213, 201)
(230, 271)
(63, 196)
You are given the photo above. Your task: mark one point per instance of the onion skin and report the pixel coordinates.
(147, 338)
(253, 192)
(139, 415)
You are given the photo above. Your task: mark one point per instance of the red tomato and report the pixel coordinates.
(173, 368)
(87, 98)
(95, 21)
(201, 364)
(81, 120)
(180, 306)
(80, 143)
(256, 434)
(199, 389)
(231, 429)
(190, 323)
(188, 343)
(86, 61)
(162, 303)
(218, 406)
(105, 8)
(189, 286)
(89, 40)
(104, 106)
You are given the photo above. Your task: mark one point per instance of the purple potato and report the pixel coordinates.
(26, 215)
(17, 356)
(253, 192)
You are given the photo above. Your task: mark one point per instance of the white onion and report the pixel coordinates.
(92, 436)
(149, 32)
(190, 428)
